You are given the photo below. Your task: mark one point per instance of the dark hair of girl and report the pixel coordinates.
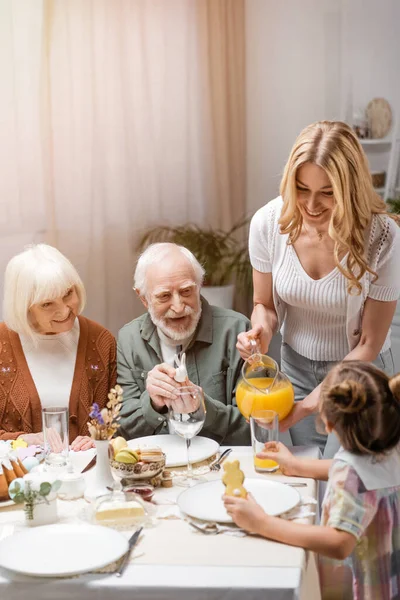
(363, 405)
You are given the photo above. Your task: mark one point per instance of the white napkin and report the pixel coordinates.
(303, 510)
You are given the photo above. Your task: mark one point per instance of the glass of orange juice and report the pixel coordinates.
(264, 425)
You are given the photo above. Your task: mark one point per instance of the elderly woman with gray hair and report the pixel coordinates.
(50, 355)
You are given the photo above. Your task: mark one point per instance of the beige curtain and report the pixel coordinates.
(118, 115)
(222, 42)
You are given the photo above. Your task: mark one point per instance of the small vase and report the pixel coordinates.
(100, 478)
(43, 513)
(41, 510)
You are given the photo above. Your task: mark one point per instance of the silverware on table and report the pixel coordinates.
(216, 466)
(132, 542)
(90, 464)
(205, 530)
(295, 483)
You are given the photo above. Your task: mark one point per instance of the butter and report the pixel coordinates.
(117, 510)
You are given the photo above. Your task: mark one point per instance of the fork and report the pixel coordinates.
(206, 531)
(217, 465)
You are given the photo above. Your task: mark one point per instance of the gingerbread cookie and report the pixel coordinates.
(233, 479)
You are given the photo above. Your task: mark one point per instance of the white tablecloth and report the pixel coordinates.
(177, 563)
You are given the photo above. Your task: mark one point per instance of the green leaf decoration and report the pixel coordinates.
(19, 498)
(55, 486)
(45, 488)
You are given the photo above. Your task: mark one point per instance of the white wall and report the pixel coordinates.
(309, 60)
(293, 79)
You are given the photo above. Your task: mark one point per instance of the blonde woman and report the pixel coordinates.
(325, 257)
(49, 354)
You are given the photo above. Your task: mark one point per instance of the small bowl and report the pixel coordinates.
(143, 490)
(139, 471)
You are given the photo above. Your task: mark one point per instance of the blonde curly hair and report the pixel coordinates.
(333, 146)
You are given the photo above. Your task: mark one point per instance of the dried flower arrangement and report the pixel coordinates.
(104, 423)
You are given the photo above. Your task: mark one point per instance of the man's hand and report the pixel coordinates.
(186, 402)
(161, 386)
(258, 335)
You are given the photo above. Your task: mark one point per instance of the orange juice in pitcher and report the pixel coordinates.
(264, 387)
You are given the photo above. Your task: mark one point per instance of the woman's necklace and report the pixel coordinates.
(320, 234)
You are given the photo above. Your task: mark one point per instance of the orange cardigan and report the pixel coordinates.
(95, 373)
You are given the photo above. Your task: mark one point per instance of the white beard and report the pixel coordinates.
(179, 333)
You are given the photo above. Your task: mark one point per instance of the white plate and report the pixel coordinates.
(61, 550)
(174, 447)
(204, 501)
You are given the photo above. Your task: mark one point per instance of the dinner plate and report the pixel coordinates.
(174, 447)
(204, 500)
(61, 550)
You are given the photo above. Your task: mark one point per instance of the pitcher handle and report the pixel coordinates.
(255, 346)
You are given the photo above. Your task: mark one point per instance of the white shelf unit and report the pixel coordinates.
(376, 142)
(384, 155)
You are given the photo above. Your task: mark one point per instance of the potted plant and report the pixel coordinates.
(394, 205)
(223, 254)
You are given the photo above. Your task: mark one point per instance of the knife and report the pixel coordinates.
(90, 464)
(132, 542)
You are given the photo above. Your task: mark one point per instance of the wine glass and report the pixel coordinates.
(186, 417)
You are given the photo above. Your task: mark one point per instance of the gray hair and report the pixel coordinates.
(155, 253)
(37, 274)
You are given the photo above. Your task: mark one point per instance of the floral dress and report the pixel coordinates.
(373, 517)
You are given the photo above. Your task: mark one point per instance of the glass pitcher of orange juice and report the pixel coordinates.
(264, 387)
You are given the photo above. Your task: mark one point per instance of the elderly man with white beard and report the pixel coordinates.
(168, 280)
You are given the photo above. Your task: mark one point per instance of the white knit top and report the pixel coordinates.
(315, 313)
(318, 304)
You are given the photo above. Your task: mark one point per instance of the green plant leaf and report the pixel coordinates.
(45, 488)
(19, 498)
(394, 205)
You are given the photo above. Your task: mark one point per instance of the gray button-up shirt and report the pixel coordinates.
(212, 362)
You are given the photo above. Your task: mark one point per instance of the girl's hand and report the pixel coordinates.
(244, 345)
(82, 442)
(279, 453)
(301, 409)
(245, 512)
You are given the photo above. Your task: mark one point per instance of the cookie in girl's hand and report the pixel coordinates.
(233, 479)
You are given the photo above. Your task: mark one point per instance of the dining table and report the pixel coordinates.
(175, 561)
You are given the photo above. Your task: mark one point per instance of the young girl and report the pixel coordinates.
(361, 509)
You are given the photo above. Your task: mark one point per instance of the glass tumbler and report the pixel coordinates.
(264, 425)
(56, 437)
